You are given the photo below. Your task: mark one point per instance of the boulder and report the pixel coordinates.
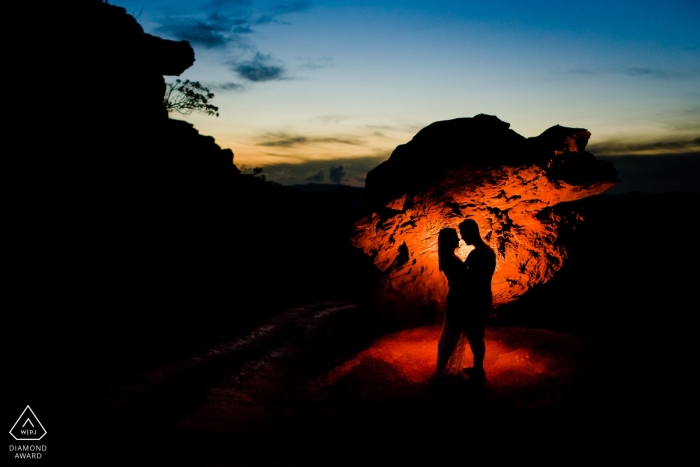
(474, 168)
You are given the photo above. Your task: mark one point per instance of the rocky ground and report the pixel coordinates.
(315, 385)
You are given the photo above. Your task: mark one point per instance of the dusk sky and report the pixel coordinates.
(306, 87)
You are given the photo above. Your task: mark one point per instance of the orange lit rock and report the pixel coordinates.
(472, 168)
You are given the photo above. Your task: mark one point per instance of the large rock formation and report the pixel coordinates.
(474, 168)
(130, 233)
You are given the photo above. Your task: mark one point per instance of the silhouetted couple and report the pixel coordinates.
(468, 301)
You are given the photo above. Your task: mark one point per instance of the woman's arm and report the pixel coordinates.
(452, 266)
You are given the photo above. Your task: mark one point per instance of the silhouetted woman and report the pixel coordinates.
(452, 341)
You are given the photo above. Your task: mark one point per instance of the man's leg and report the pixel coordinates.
(478, 346)
(475, 330)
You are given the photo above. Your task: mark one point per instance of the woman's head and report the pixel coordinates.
(448, 241)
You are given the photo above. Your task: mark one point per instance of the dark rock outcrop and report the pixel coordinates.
(482, 141)
(132, 235)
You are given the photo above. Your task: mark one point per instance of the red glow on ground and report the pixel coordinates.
(514, 356)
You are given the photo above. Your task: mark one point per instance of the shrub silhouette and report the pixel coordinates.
(188, 96)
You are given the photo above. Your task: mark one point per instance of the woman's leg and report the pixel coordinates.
(446, 346)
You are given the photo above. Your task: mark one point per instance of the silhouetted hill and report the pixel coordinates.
(321, 187)
(328, 195)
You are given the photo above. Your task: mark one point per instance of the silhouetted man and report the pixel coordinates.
(480, 266)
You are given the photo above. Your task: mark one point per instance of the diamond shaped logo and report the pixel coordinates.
(27, 427)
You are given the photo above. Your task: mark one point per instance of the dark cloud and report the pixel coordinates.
(656, 73)
(212, 32)
(216, 4)
(265, 19)
(259, 68)
(317, 177)
(287, 140)
(638, 71)
(641, 72)
(336, 173)
(242, 29)
(230, 86)
(290, 7)
(227, 25)
(627, 148)
(272, 15)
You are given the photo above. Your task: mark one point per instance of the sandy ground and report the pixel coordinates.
(314, 386)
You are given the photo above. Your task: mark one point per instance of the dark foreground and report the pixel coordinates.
(598, 361)
(313, 386)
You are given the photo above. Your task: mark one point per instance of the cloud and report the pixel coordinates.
(225, 3)
(260, 68)
(271, 15)
(636, 72)
(405, 127)
(316, 64)
(317, 177)
(656, 73)
(218, 29)
(287, 140)
(336, 173)
(334, 118)
(228, 26)
(242, 29)
(211, 32)
(627, 147)
(229, 86)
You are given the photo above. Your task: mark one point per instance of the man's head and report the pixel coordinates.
(469, 230)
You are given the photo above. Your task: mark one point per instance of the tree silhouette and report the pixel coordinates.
(188, 96)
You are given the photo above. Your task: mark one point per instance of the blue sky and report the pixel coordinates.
(306, 86)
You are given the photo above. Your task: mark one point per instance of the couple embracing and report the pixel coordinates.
(468, 301)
